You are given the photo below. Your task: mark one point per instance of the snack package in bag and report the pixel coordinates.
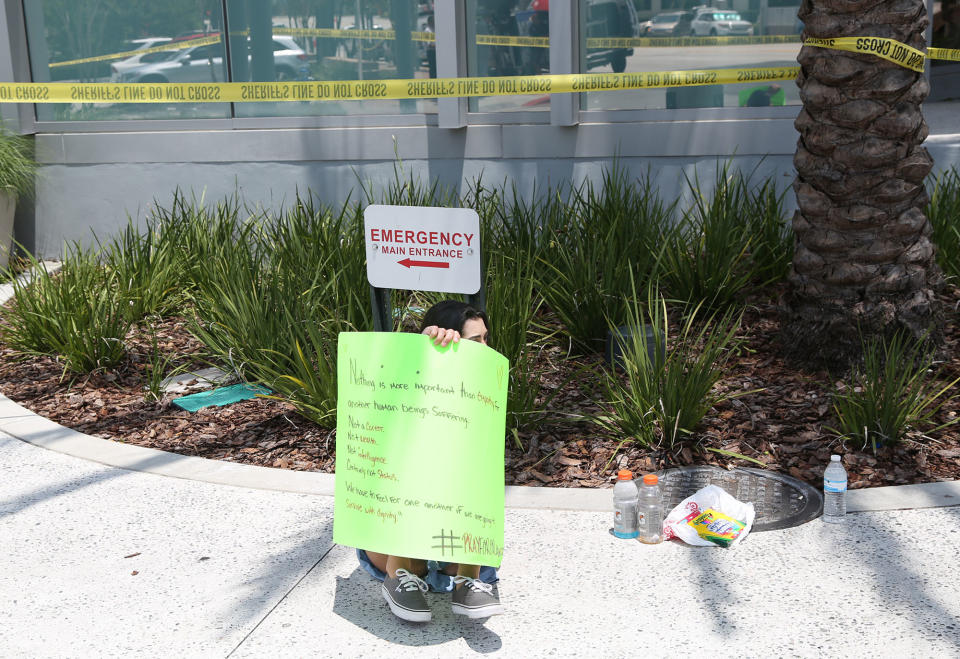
(709, 517)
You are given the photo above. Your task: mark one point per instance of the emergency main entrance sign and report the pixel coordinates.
(422, 248)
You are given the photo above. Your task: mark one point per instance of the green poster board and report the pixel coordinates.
(420, 432)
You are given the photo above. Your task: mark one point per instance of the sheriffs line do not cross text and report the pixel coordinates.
(639, 80)
(395, 241)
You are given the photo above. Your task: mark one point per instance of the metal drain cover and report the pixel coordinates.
(780, 501)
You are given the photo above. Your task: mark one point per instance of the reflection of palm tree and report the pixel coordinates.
(863, 260)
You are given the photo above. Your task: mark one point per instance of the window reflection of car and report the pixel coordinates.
(205, 64)
(135, 60)
(719, 22)
(667, 25)
(610, 19)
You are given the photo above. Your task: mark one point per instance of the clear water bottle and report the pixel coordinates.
(834, 491)
(650, 511)
(625, 505)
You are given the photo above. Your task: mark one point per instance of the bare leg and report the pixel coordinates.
(464, 570)
(390, 564)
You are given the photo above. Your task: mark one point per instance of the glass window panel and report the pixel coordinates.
(495, 30)
(945, 74)
(96, 41)
(661, 41)
(312, 40)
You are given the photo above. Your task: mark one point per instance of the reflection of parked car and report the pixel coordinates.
(667, 25)
(134, 60)
(205, 64)
(610, 19)
(713, 22)
(605, 19)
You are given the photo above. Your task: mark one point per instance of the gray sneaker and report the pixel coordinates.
(475, 599)
(405, 596)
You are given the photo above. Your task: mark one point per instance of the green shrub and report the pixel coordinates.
(604, 239)
(944, 214)
(272, 303)
(17, 164)
(660, 401)
(892, 392)
(75, 314)
(772, 240)
(150, 270)
(706, 255)
(204, 234)
(320, 252)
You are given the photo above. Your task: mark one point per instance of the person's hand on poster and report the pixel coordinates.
(441, 336)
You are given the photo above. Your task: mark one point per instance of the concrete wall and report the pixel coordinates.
(95, 181)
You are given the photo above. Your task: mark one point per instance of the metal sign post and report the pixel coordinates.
(420, 248)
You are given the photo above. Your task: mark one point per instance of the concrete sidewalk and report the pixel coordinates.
(103, 561)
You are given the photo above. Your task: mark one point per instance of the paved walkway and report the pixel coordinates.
(161, 556)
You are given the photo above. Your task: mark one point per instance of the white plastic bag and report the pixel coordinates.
(676, 525)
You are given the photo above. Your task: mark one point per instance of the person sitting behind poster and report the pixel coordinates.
(405, 580)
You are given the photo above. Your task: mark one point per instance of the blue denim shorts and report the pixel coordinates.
(436, 579)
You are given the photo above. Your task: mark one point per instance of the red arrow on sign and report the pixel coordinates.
(408, 263)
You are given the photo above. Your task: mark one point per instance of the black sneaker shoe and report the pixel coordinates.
(475, 599)
(405, 596)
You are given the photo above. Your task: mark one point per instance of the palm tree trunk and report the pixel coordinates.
(864, 264)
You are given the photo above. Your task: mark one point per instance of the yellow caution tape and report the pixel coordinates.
(353, 90)
(888, 49)
(661, 42)
(952, 54)
(505, 40)
(178, 45)
(331, 33)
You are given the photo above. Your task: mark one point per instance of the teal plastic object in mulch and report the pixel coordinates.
(220, 396)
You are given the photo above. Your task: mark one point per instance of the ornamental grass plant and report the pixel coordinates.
(706, 255)
(17, 164)
(943, 211)
(74, 314)
(258, 314)
(771, 246)
(319, 251)
(149, 268)
(606, 236)
(894, 391)
(666, 388)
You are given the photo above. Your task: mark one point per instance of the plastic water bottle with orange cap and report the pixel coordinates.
(625, 505)
(650, 511)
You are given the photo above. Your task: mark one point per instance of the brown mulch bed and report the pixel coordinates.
(782, 424)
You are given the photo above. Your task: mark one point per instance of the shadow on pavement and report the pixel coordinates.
(281, 573)
(717, 597)
(39, 495)
(357, 599)
(878, 550)
(895, 573)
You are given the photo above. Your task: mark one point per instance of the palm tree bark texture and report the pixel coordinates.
(863, 264)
